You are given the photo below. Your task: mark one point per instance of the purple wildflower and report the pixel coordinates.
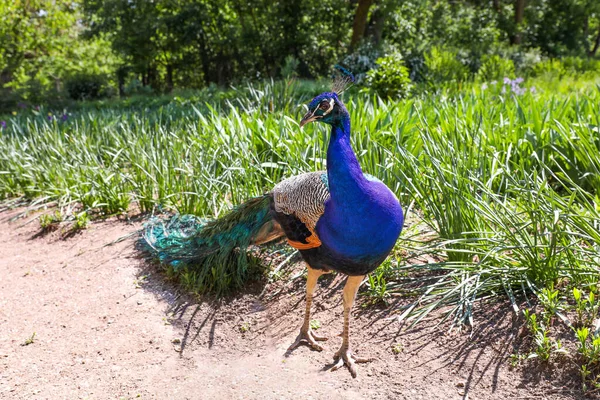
(484, 86)
(65, 117)
(519, 80)
(507, 80)
(2, 124)
(50, 118)
(532, 89)
(22, 105)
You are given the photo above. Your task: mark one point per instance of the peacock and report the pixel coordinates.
(340, 220)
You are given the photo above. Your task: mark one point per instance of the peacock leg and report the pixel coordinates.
(306, 334)
(344, 355)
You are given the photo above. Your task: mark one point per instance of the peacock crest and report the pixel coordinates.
(342, 79)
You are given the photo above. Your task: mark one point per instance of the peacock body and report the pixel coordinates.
(339, 219)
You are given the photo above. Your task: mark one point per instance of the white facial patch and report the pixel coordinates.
(331, 103)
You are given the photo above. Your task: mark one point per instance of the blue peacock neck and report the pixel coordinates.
(346, 179)
(362, 217)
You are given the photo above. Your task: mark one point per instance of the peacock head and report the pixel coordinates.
(327, 108)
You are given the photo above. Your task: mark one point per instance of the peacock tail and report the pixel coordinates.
(212, 254)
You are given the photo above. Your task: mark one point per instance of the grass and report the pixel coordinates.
(29, 340)
(507, 183)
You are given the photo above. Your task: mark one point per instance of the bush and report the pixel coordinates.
(444, 66)
(577, 65)
(390, 79)
(87, 87)
(136, 87)
(524, 61)
(494, 67)
(362, 60)
(550, 68)
(290, 67)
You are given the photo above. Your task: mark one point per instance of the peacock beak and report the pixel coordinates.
(308, 117)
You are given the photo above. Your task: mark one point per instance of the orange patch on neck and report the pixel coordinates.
(313, 242)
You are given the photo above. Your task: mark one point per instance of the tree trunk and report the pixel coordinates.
(169, 78)
(596, 44)
(360, 22)
(5, 77)
(375, 28)
(152, 76)
(496, 5)
(121, 80)
(519, 13)
(203, 51)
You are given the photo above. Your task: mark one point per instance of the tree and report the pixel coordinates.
(518, 18)
(41, 48)
(593, 51)
(360, 22)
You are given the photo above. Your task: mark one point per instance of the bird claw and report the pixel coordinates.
(345, 356)
(310, 338)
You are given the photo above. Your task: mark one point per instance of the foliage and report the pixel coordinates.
(290, 67)
(523, 60)
(362, 60)
(559, 68)
(197, 42)
(544, 344)
(415, 26)
(550, 69)
(561, 28)
(50, 221)
(443, 66)
(51, 51)
(549, 322)
(390, 78)
(87, 87)
(41, 47)
(581, 66)
(494, 67)
(82, 221)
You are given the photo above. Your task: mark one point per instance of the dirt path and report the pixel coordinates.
(107, 327)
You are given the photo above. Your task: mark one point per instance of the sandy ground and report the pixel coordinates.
(109, 326)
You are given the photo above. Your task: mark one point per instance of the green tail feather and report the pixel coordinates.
(209, 255)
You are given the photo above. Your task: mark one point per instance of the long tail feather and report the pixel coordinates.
(211, 254)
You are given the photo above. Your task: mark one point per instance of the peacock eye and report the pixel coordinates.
(324, 105)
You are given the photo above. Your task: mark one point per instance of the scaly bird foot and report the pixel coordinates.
(310, 338)
(345, 356)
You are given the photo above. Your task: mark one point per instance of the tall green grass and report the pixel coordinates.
(508, 184)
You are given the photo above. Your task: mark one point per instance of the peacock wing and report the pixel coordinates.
(299, 202)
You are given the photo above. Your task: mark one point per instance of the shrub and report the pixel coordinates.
(390, 78)
(50, 222)
(577, 65)
(87, 86)
(361, 60)
(550, 68)
(444, 66)
(82, 220)
(290, 67)
(135, 87)
(494, 67)
(415, 62)
(525, 61)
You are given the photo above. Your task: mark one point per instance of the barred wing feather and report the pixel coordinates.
(299, 202)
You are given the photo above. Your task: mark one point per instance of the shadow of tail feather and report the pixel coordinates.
(212, 254)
